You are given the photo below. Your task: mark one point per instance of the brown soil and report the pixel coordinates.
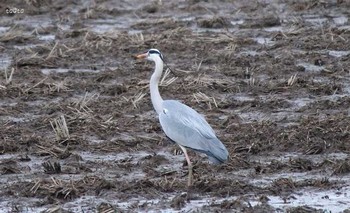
(271, 78)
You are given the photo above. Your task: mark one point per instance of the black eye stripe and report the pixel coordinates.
(155, 52)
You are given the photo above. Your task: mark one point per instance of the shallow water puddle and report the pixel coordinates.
(250, 53)
(106, 25)
(10, 206)
(237, 22)
(282, 116)
(4, 29)
(5, 61)
(318, 20)
(37, 21)
(252, 116)
(311, 67)
(299, 103)
(8, 103)
(64, 70)
(21, 47)
(338, 54)
(274, 29)
(149, 203)
(131, 157)
(262, 40)
(47, 37)
(315, 19)
(243, 98)
(344, 27)
(340, 20)
(285, 157)
(335, 200)
(25, 117)
(28, 167)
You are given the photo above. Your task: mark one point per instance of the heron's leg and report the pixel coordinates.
(190, 168)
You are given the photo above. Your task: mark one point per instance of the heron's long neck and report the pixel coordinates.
(157, 101)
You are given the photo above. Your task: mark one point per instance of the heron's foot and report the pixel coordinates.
(185, 172)
(189, 173)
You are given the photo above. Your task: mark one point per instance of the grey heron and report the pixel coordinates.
(181, 123)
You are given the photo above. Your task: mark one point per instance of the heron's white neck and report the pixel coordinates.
(157, 101)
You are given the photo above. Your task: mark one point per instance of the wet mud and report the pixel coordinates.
(79, 134)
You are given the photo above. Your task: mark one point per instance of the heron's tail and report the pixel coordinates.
(217, 152)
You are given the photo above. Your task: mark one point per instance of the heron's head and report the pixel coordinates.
(151, 55)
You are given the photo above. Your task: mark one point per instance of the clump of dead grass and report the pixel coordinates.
(36, 85)
(51, 53)
(106, 208)
(66, 189)
(45, 54)
(201, 97)
(51, 150)
(55, 187)
(55, 209)
(102, 41)
(168, 184)
(249, 74)
(137, 38)
(14, 34)
(166, 80)
(206, 81)
(58, 86)
(51, 168)
(8, 77)
(342, 168)
(292, 80)
(89, 13)
(59, 126)
(214, 22)
(136, 99)
(82, 103)
(220, 38)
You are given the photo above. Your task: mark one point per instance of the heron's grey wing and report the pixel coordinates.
(188, 128)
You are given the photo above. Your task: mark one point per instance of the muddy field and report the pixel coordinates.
(79, 134)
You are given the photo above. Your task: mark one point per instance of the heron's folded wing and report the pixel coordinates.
(188, 128)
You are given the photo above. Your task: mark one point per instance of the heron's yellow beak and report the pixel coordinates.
(142, 56)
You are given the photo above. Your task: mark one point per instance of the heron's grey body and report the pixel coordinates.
(182, 124)
(188, 128)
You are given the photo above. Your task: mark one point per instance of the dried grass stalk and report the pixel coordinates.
(137, 98)
(59, 126)
(201, 97)
(165, 81)
(9, 77)
(292, 80)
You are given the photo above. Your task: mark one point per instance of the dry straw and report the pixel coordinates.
(59, 126)
(201, 97)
